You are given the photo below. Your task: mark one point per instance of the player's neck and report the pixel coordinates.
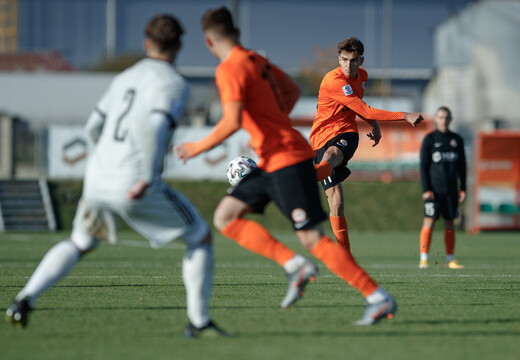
(224, 49)
(168, 57)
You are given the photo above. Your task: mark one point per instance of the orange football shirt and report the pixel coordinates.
(248, 77)
(339, 101)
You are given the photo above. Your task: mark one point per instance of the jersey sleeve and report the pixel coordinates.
(231, 84)
(369, 113)
(155, 138)
(171, 100)
(461, 165)
(339, 91)
(425, 157)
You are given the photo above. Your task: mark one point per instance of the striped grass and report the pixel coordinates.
(127, 302)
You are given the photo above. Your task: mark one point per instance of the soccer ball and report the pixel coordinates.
(239, 168)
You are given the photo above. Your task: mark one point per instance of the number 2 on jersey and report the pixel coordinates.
(128, 99)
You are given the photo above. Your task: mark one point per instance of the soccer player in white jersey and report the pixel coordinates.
(132, 126)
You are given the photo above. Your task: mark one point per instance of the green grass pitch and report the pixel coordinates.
(128, 302)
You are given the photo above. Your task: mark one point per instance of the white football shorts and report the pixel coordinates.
(163, 214)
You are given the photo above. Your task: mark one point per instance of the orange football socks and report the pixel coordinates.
(254, 237)
(340, 228)
(323, 170)
(424, 240)
(449, 240)
(341, 263)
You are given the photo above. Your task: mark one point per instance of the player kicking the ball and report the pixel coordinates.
(132, 126)
(334, 134)
(258, 96)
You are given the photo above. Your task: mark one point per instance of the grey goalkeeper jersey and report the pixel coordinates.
(128, 149)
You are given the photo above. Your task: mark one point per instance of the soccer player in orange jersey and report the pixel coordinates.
(334, 134)
(257, 96)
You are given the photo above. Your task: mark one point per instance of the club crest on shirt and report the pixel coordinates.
(453, 143)
(299, 215)
(363, 84)
(347, 90)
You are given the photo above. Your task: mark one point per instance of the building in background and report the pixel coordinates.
(294, 34)
(8, 26)
(476, 66)
(421, 54)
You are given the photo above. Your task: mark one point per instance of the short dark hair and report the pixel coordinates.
(220, 21)
(165, 31)
(445, 108)
(351, 45)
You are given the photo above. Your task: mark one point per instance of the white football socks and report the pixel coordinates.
(423, 256)
(57, 263)
(197, 274)
(294, 263)
(377, 296)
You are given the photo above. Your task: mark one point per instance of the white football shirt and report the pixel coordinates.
(121, 155)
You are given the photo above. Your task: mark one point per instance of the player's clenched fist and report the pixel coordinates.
(413, 118)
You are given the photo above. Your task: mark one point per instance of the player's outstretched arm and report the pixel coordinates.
(230, 122)
(413, 118)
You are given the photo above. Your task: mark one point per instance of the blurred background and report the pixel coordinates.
(58, 56)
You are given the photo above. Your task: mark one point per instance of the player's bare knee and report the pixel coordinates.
(449, 224)
(333, 156)
(222, 218)
(309, 237)
(428, 222)
(84, 244)
(228, 210)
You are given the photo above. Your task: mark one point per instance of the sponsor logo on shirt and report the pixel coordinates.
(347, 90)
(447, 156)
